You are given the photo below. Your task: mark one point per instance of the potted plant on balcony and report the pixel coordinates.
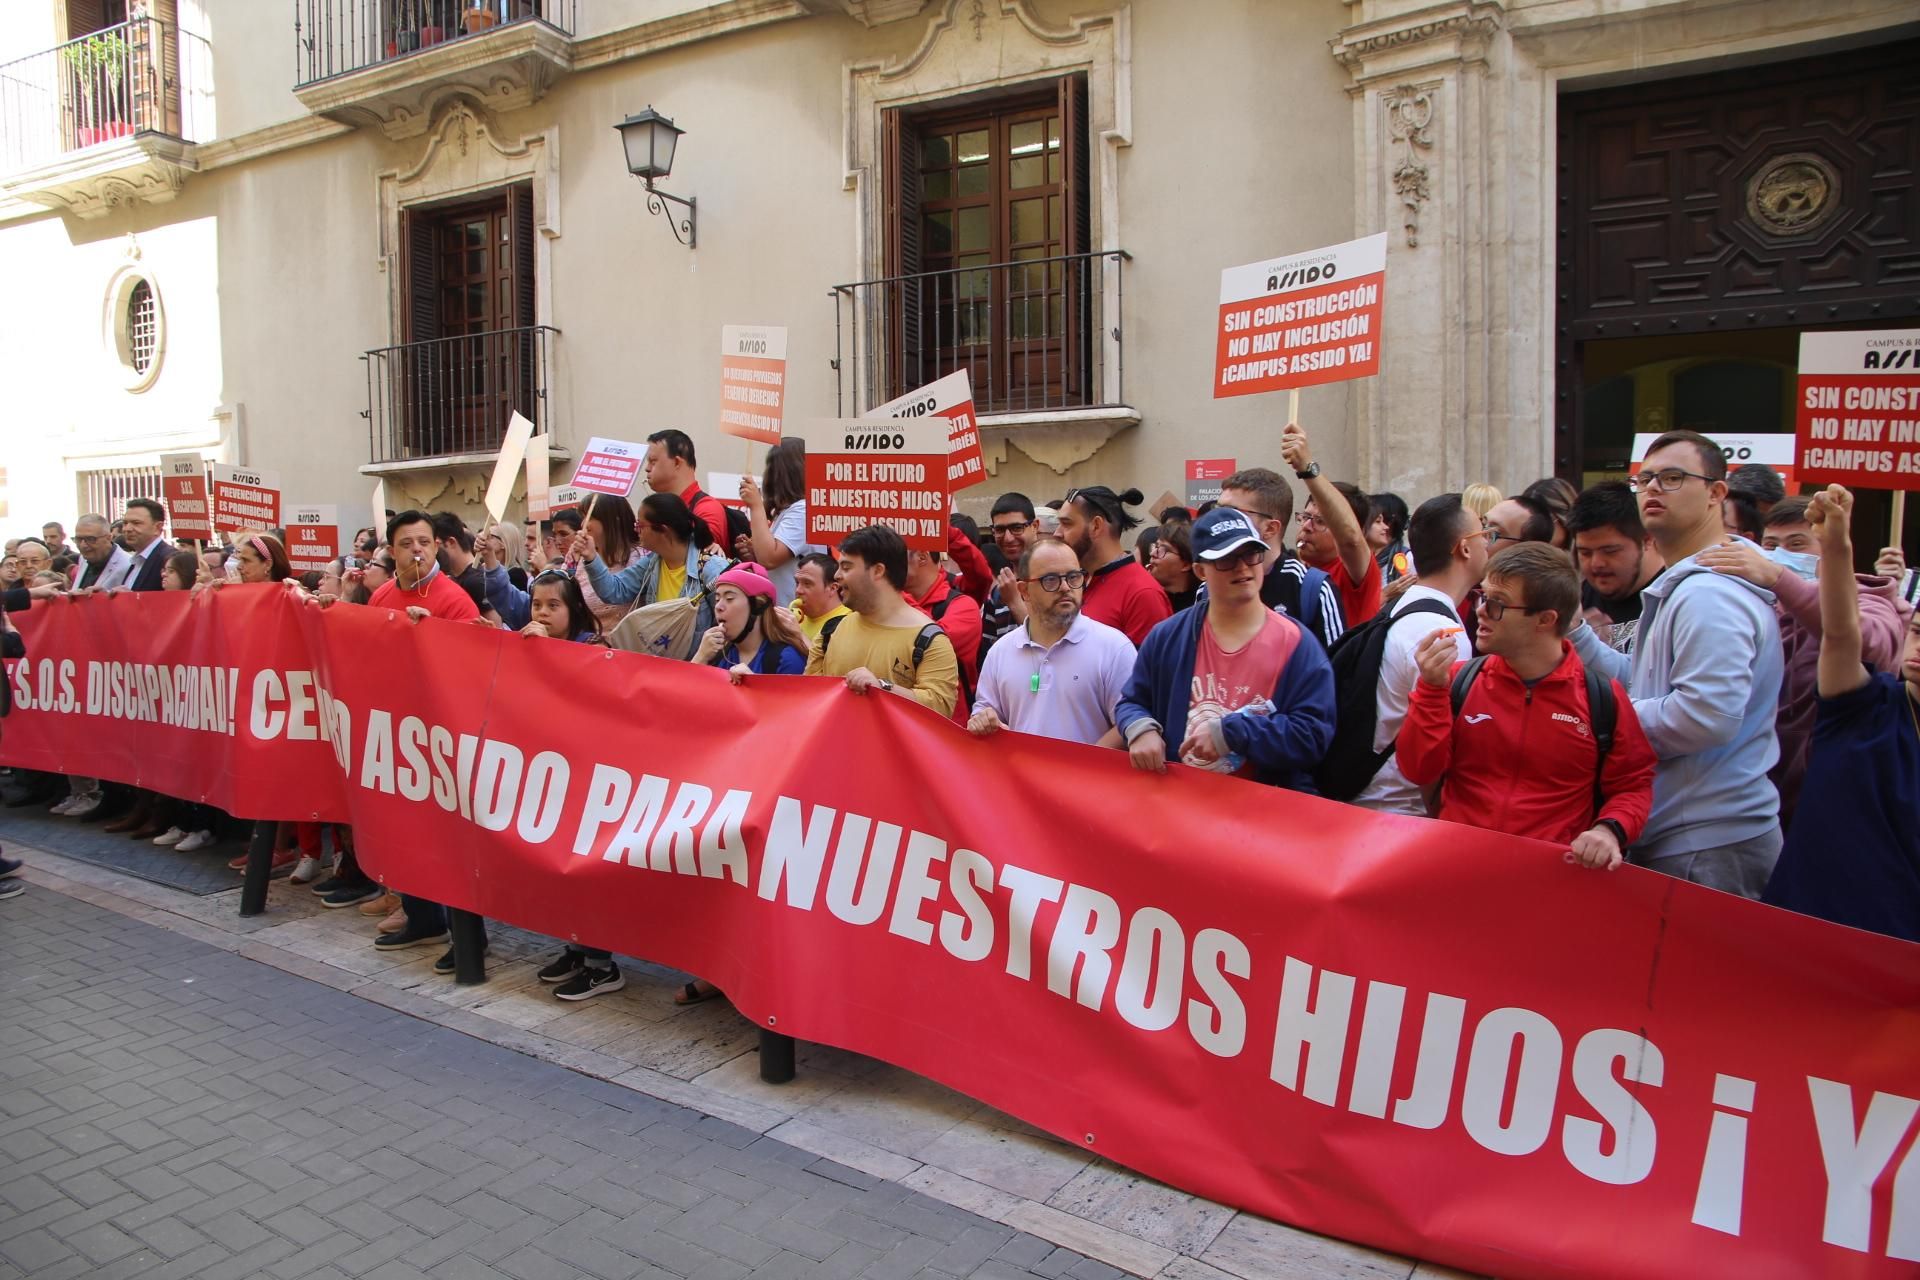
(99, 66)
(480, 17)
(406, 28)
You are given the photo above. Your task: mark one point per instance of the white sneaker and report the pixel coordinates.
(86, 806)
(195, 842)
(172, 836)
(305, 871)
(65, 806)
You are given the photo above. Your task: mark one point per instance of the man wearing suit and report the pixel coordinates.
(141, 527)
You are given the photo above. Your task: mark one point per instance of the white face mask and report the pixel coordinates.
(1803, 563)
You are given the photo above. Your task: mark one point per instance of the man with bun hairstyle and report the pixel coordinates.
(1120, 592)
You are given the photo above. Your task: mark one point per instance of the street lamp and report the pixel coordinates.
(649, 139)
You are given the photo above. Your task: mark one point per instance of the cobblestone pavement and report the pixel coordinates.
(168, 1109)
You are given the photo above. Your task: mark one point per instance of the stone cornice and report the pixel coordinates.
(682, 28)
(1454, 32)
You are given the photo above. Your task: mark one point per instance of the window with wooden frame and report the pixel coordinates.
(470, 349)
(987, 250)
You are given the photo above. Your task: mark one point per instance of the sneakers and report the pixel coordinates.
(568, 963)
(591, 982)
(10, 867)
(396, 920)
(306, 871)
(406, 937)
(383, 905)
(12, 888)
(196, 842)
(170, 837)
(82, 806)
(445, 963)
(65, 806)
(350, 895)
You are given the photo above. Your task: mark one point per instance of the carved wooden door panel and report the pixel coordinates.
(1782, 195)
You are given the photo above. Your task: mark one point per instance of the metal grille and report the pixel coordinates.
(105, 492)
(334, 37)
(142, 327)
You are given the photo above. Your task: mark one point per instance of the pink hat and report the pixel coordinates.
(749, 579)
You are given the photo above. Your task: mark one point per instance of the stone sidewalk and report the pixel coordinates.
(168, 1109)
(857, 1112)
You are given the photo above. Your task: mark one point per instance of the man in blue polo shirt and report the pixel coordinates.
(1059, 674)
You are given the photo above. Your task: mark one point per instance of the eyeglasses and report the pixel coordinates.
(1498, 609)
(1072, 580)
(1249, 511)
(1668, 478)
(1007, 530)
(1245, 558)
(1309, 520)
(1493, 536)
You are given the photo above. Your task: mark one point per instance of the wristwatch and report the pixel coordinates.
(887, 685)
(1619, 832)
(1311, 473)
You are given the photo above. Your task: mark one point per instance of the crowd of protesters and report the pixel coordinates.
(1683, 670)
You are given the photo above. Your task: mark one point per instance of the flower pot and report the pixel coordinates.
(432, 35)
(406, 41)
(479, 20)
(88, 135)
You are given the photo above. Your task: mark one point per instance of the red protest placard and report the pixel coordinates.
(183, 490)
(753, 381)
(1298, 321)
(244, 498)
(1857, 415)
(890, 471)
(313, 537)
(1203, 479)
(951, 398)
(609, 467)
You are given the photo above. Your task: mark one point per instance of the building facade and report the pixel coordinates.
(343, 240)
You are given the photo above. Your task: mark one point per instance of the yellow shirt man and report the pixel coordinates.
(810, 627)
(888, 653)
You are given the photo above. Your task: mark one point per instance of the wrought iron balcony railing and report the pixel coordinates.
(333, 37)
(143, 76)
(452, 396)
(1034, 335)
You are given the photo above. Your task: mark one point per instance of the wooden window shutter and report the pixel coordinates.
(900, 214)
(1076, 163)
(523, 234)
(84, 16)
(422, 300)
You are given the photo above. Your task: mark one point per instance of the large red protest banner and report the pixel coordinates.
(1436, 1040)
(1857, 418)
(1294, 322)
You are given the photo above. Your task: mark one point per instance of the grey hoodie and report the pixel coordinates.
(1704, 676)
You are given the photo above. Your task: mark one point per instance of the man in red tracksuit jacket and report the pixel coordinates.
(1521, 755)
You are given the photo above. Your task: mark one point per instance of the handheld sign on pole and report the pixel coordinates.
(539, 498)
(380, 508)
(313, 537)
(1298, 321)
(887, 471)
(244, 497)
(753, 381)
(1857, 414)
(183, 487)
(609, 467)
(951, 398)
(506, 466)
(725, 487)
(565, 497)
(1203, 479)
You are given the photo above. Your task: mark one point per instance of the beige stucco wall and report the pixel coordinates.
(1235, 136)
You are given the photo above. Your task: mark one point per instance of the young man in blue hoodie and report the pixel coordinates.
(1704, 676)
(1238, 687)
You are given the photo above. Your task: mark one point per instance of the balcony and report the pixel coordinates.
(105, 120)
(388, 63)
(1040, 338)
(448, 401)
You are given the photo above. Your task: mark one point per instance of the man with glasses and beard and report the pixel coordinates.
(1705, 678)
(1239, 688)
(1061, 674)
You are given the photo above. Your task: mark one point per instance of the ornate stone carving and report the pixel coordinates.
(1409, 113)
(144, 168)
(505, 70)
(1793, 194)
(1473, 28)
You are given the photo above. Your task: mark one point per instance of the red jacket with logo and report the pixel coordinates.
(1523, 760)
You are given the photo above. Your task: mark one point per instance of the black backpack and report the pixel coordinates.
(738, 524)
(1351, 761)
(1602, 710)
(921, 643)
